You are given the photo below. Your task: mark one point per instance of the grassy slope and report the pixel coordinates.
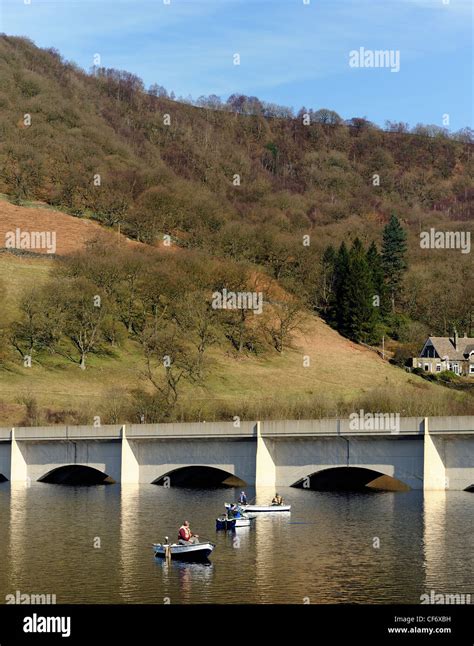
(271, 385)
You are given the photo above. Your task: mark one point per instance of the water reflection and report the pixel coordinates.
(188, 575)
(129, 538)
(18, 540)
(448, 538)
(333, 547)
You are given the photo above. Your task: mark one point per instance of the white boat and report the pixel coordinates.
(192, 552)
(263, 508)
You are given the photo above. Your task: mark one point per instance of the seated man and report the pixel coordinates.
(277, 500)
(243, 498)
(185, 535)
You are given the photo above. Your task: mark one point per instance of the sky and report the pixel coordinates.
(292, 52)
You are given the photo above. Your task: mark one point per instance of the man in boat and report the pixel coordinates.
(237, 511)
(185, 535)
(232, 512)
(277, 500)
(243, 498)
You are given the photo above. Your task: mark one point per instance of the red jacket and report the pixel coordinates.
(184, 533)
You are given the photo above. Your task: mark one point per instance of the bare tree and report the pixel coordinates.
(77, 312)
(284, 319)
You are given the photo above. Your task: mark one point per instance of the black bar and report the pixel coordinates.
(292, 623)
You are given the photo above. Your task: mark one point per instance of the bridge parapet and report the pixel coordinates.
(383, 424)
(55, 433)
(391, 426)
(280, 428)
(461, 424)
(332, 427)
(192, 430)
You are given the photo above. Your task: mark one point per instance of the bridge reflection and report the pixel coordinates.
(197, 476)
(76, 474)
(350, 479)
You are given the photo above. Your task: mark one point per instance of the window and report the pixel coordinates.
(429, 352)
(438, 367)
(471, 370)
(427, 367)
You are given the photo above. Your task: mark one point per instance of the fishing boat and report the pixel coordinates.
(192, 552)
(263, 508)
(224, 522)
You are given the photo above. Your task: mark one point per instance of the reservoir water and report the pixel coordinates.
(93, 545)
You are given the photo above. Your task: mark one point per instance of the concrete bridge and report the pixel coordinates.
(434, 453)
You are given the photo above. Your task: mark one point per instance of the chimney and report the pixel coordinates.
(455, 339)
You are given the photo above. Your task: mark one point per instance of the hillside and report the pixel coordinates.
(341, 377)
(240, 179)
(211, 197)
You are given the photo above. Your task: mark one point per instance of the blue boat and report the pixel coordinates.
(224, 522)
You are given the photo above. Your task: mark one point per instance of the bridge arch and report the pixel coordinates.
(199, 476)
(3, 478)
(349, 478)
(76, 474)
(470, 488)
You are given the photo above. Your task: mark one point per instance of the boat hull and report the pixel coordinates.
(265, 508)
(232, 523)
(224, 524)
(194, 552)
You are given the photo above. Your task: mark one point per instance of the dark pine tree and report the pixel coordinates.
(393, 256)
(338, 312)
(328, 264)
(361, 314)
(374, 261)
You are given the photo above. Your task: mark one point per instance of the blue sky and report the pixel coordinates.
(291, 53)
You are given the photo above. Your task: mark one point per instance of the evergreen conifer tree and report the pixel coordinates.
(339, 301)
(360, 312)
(393, 256)
(374, 261)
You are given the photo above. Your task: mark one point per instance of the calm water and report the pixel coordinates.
(323, 550)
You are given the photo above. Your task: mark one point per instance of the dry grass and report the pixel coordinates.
(72, 233)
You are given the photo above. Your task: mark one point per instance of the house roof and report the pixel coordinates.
(444, 346)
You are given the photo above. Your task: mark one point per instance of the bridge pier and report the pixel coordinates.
(18, 466)
(265, 468)
(130, 468)
(434, 470)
